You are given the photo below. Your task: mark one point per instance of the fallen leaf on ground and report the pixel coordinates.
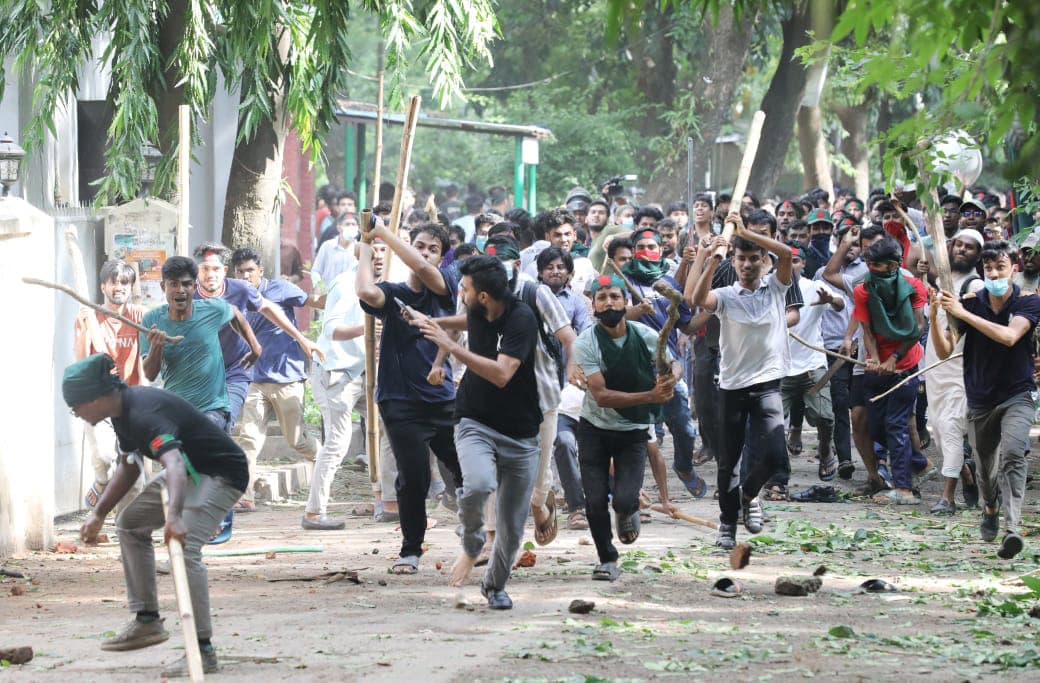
(527, 559)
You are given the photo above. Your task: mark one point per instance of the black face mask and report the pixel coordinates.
(611, 317)
(821, 242)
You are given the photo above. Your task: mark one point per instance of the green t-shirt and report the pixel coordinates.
(194, 367)
(588, 357)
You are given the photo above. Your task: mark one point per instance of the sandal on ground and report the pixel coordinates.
(381, 514)
(608, 571)
(828, 468)
(628, 527)
(794, 446)
(775, 492)
(877, 586)
(703, 456)
(577, 521)
(752, 512)
(545, 532)
(943, 507)
(870, 489)
(894, 497)
(406, 565)
(94, 494)
(727, 588)
(645, 518)
(816, 494)
(846, 469)
(693, 482)
(223, 532)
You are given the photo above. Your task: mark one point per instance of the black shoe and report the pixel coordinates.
(727, 537)
(816, 494)
(1011, 545)
(990, 526)
(496, 599)
(752, 515)
(846, 470)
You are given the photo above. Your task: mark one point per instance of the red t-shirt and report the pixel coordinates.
(120, 340)
(886, 347)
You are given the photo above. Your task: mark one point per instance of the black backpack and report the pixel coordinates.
(529, 295)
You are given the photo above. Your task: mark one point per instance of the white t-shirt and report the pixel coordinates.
(949, 375)
(752, 333)
(809, 328)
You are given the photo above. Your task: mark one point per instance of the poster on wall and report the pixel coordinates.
(143, 233)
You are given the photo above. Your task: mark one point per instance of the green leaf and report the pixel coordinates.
(529, 546)
(842, 632)
(1032, 583)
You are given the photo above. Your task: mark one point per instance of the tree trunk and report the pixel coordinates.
(654, 57)
(168, 95)
(721, 58)
(816, 163)
(251, 206)
(781, 103)
(854, 147)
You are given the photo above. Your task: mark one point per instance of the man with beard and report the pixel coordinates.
(109, 335)
(945, 385)
(889, 307)
(754, 357)
(643, 272)
(622, 403)
(854, 207)
(596, 218)
(798, 233)
(998, 324)
(973, 214)
(668, 231)
(416, 413)
(497, 415)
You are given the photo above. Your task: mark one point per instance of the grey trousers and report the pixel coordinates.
(1000, 439)
(205, 505)
(491, 461)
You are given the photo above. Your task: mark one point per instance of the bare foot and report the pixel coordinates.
(461, 569)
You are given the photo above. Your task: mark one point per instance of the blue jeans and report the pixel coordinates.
(680, 424)
(565, 450)
(889, 421)
(236, 393)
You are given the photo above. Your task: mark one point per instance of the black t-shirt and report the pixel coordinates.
(993, 373)
(405, 355)
(512, 410)
(725, 275)
(155, 421)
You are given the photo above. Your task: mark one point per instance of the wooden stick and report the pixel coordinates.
(90, 304)
(79, 278)
(831, 372)
(933, 221)
(743, 174)
(239, 552)
(801, 341)
(371, 409)
(678, 514)
(917, 374)
(187, 615)
(403, 166)
(183, 169)
(636, 296)
(377, 171)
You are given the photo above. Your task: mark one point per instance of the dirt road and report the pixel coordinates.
(959, 613)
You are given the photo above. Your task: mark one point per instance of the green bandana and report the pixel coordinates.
(888, 300)
(630, 368)
(578, 250)
(90, 378)
(644, 271)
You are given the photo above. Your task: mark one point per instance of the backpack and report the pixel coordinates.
(529, 295)
(966, 284)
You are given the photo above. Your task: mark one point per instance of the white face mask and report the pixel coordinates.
(350, 232)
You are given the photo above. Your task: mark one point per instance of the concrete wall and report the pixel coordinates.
(27, 404)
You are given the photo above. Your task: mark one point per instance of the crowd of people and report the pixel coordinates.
(520, 357)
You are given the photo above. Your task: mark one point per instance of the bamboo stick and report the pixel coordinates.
(917, 374)
(371, 409)
(101, 309)
(184, 608)
(183, 168)
(743, 175)
(677, 514)
(403, 166)
(848, 359)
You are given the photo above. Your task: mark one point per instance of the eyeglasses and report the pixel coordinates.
(972, 212)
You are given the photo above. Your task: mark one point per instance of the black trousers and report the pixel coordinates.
(706, 393)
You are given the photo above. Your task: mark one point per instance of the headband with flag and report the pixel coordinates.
(607, 281)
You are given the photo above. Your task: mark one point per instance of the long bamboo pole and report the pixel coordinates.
(743, 175)
(403, 166)
(183, 168)
(920, 372)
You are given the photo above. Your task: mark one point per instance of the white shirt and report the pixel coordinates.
(949, 376)
(333, 259)
(342, 307)
(584, 272)
(809, 328)
(752, 333)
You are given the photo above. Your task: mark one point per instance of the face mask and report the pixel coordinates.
(480, 243)
(611, 317)
(998, 286)
(350, 232)
(627, 223)
(821, 243)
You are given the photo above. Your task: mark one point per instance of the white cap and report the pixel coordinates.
(968, 233)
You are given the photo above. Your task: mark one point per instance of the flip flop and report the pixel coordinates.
(406, 566)
(223, 534)
(608, 571)
(577, 521)
(877, 586)
(693, 482)
(727, 588)
(94, 494)
(628, 527)
(380, 514)
(545, 533)
(892, 497)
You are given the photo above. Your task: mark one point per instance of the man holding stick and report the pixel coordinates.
(205, 473)
(754, 357)
(998, 326)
